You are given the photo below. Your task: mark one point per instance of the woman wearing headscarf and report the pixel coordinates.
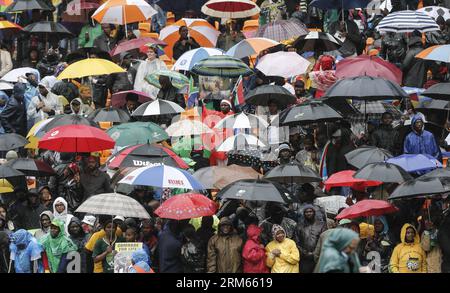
(25, 252)
(60, 209)
(282, 253)
(56, 246)
(253, 253)
(46, 103)
(46, 218)
(146, 67)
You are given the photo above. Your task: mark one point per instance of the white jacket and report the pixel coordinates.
(51, 100)
(5, 62)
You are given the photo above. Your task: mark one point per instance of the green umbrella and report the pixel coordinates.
(136, 133)
(222, 65)
(178, 80)
(183, 147)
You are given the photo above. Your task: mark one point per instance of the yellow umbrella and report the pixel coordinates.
(31, 136)
(5, 186)
(89, 67)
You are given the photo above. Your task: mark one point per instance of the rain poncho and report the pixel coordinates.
(288, 261)
(60, 216)
(421, 143)
(140, 260)
(51, 100)
(253, 255)
(23, 258)
(55, 248)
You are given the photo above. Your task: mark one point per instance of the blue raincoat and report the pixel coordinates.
(421, 143)
(24, 257)
(140, 259)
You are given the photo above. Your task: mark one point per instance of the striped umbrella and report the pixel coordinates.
(407, 21)
(163, 177)
(240, 141)
(230, 8)
(250, 47)
(199, 29)
(192, 57)
(113, 204)
(157, 107)
(178, 80)
(281, 30)
(316, 42)
(224, 66)
(436, 53)
(123, 11)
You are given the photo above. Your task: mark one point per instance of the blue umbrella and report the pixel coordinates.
(339, 4)
(415, 162)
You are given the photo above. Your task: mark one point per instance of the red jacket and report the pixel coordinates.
(254, 254)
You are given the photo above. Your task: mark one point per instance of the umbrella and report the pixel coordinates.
(436, 11)
(433, 105)
(332, 203)
(123, 12)
(136, 133)
(217, 177)
(118, 100)
(367, 208)
(230, 8)
(163, 177)
(60, 120)
(437, 173)
(384, 172)
(145, 155)
(186, 206)
(113, 204)
(33, 136)
(199, 29)
(8, 172)
(259, 189)
(365, 88)
(30, 167)
(134, 44)
(438, 53)
(439, 91)
(9, 29)
(11, 141)
(345, 178)
(378, 107)
(407, 21)
(47, 27)
(109, 114)
(76, 139)
(250, 47)
(6, 186)
(307, 113)
(5, 86)
(90, 67)
(240, 142)
(192, 57)
(293, 64)
(364, 65)
(292, 172)
(177, 79)
(157, 107)
(188, 128)
(78, 11)
(365, 155)
(415, 162)
(21, 5)
(222, 65)
(19, 74)
(316, 42)
(242, 120)
(339, 4)
(261, 96)
(419, 187)
(281, 30)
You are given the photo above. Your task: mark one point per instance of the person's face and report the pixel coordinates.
(54, 231)
(60, 207)
(299, 89)
(45, 221)
(309, 214)
(42, 90)
(147, 229)
(352, 247)
(2, 213)
(354, 227)
(74, 229)
(130, 235)
(378, 226)
(151, 54)
(410, 234)
(34, 199)
(106, 29)
(132, 105)
(92, 164)
(33, 55)
(110, 228)
(418, 125)
(225, 229)
(184, 33)
(285, 154)
(273, 108)
(280, 236)
(87, 228)
(225, 108)
(76, 107)
(308, 143)
(126, 61)
(387, 119)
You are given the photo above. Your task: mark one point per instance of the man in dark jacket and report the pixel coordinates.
(123, 81)
(105, 42)
(184, 44)
(66, 89)
(444, 239)
(29, 214)
(393, 48)
(93, 180)
(169, 249)
(414, 47)
(340, 145)
(14, 115)
(385, 136)
(169, 92)
(349, 31)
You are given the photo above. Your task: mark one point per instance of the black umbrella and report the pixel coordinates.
(365, 155)
(440, 91)
(21, 5)
(48, 28)
(307, 113)
(30, 167)
(316, 42)
(11, 141)
(8, 172)
(420, 187)
(384, 172)
(109, 114)
(250, 189)
(438, 173)
(343, 107)
(261, 96)
(292, 172)
(65, 119)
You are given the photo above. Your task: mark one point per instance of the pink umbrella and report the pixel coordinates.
(135, 44)
(118, 100)
(364, 65)
(367, 208)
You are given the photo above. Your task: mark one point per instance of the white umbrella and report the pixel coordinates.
(436, 11)
(242, 120)
(4, 86)
(285, 64)
(332, 204)
(230, 8)
(240, 142)
(190, 58)
(188, 127)
(157, 107)
(19, 74)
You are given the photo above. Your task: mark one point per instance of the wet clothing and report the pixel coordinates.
(24, 257)
(288, 261)
(253, 253)
(421, 143)
(169, 252)
(408, 257)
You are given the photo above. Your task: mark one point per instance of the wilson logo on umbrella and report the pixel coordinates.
(145, 164)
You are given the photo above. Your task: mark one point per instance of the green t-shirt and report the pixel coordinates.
(100, 247)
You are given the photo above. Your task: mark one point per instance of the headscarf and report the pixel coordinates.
(56, 247)
(48, 82)
(275, 229)
(50, 215)
(383, 220)
(339, 239)
(60, 216)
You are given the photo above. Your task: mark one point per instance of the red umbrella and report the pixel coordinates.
(367, 208)
(118, 100)
(364, 65)
(76, 139)
(186, 206)
(135, 44)
(345, 178)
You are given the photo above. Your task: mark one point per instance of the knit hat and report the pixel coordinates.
(226, 102)
(276, 228)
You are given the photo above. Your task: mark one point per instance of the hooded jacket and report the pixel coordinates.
(60, 216)
(421, 143)
(50, 100)
(84, 109)
(288, 260)
(42, 232)
(24, 257)
(254, 254)
(385, 137)
(140, 260)
(14, 115)
(169, 252)
(381, 244)
(408, 257)
(414, 48)
(224, 251)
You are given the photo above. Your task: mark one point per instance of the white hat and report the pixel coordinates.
(90, 220)
(119, 218)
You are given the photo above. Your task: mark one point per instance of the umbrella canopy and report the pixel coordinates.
(11, 141)
(281, 30)
(260, 189)
(109, 114)
(384, 172)
(407, 21)
(438, 173)
(186, 206)
(90, 67)
(5, 86)
(415, 162)
(145, 155)
(60, 120)
(6, 186)
(118, 100)
(157, 107)
(332, 203)
(345, 178)
(230, 8)
(251, 46)
(339, 4)
(439, 91)
(365, 88)
(367, 208)
(8, 172)
(19, 74)
(123, 11)
(22, 5)
(223, 65)
(30, 167)
(419, 187)
(133, 133)
(435, 11)
(177, 79)
(76, 139)
(9, 29)
(262, 95)
(163, 177)
(242, 120)
(366, 155)
(217, 177)
(433, 105)
(192, 57)
(134, 44)
(113, 204)
(289, 173)
(438, 53)
(378, 107)
(240, 141)
(188, 127)
(293, 64)
(316, 42)
(364, 65)
(47, 27)
(307, 113)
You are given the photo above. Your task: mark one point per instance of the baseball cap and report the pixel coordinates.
(90, 220)
(121, 218)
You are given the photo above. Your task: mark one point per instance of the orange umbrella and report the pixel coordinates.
(4, 24)
(123, 12)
